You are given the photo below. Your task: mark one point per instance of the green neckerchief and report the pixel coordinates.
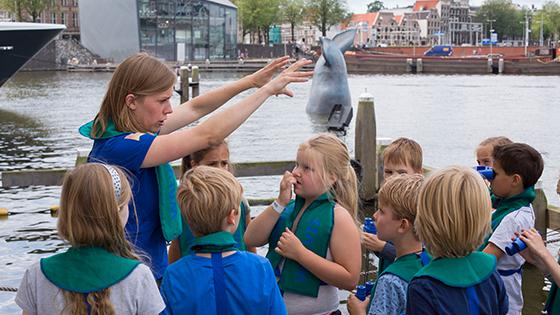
(474, 269)
(314, 231)
(552, 305)
(382, 265)
(404, 267)
(169, 213)
(218, 242)
(505, 206)
(86, 269)
(186, 238)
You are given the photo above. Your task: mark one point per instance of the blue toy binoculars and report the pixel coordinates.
(369, 226)
(485, 171)
(515, 247)
(361, 292)
(369, 286)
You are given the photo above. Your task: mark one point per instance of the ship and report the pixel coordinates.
(19, 42)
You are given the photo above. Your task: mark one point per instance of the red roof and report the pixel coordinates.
(399, 19)
(422, 5)
(369, 18)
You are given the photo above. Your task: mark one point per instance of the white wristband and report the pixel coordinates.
(277, 207)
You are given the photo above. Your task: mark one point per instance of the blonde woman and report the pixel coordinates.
(137, 129)
(314, 242)
(99, 273)
(452, 220)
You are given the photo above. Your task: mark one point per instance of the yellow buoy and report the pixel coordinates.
(3, 212)
(54, 209)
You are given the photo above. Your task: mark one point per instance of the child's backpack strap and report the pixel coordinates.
(219, 284)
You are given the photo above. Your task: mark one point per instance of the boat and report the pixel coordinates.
(19, 42)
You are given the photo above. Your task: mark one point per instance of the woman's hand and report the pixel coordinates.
(278, 84)
(355, 306)
(372, 242)
(290, 246)
(536, 252)
(264, 75)
(285, 194)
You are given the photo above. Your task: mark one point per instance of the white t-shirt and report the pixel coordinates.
(523, 218)
(136, 294)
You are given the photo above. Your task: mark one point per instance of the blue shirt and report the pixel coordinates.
(390, 296)
(430, 296)
(188, 286)
(128, 151)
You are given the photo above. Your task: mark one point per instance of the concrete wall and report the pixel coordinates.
(110, 28)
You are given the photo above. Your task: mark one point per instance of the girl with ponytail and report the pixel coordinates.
(100, 274)
(314, 242)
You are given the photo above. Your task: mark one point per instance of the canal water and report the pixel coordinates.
(448, 115)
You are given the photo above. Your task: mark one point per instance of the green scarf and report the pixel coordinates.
(505, 206)
(404, 267)
(314, 231)
(186, 238)
(169, 213)
(218, 242)
(474, 269)
(86, 269)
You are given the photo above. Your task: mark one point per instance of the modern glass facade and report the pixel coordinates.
(188, 29)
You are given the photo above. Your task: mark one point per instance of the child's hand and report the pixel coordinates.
(285, 194)
(289, 245)
(536, 251)
(355, 306)
(264, 75)
(372, 242)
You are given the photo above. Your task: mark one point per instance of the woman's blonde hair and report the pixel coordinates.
(330, 157)
(454, 212)
(140, 75)
(206, 197)
(89, 216)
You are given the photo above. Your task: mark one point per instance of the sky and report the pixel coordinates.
(360, 6)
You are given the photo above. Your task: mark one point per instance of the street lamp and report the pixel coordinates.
(491, 32)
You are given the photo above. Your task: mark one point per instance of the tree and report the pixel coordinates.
(326, 13)
(550, 17)
(292, 12)
(256, 17)
(25, 9)
(506, 18)
(375, 6)
(14, 7)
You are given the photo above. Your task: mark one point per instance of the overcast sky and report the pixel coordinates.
(360, 6)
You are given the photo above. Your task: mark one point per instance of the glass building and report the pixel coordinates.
(188, 29)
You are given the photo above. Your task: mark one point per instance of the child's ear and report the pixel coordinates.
(233, 217)
(517, 180)
(405, 226)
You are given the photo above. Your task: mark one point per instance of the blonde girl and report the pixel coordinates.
(100, 272)
(314, 242)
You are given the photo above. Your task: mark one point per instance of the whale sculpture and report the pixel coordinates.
(329, 87)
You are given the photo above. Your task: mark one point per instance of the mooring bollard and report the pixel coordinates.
(501, 65)
(366, 146)
(409, 65)
(419, 65)
(195, 81)
(184, 75)
(489, 65)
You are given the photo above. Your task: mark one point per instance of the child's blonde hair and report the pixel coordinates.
(141, 75)
(330, 156)
(401, 194)
(206, 197)
(199, 155)
(404, 151)
(454, 212)
(89, 216)
(495, 141)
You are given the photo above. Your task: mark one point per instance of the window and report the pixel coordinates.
(75, 21)
(63, 18)
(53, 17)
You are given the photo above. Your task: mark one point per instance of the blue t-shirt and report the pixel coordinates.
(128, 151)
(188, 286)
(430, 296)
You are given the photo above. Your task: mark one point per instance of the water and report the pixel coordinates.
(447, 115)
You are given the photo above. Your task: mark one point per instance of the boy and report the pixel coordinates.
(452, 219)
(517, 167)
(207, 281)
(395, 220)
(402, 156)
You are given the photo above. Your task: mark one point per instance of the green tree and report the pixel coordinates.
(375, 6)
(326, 13)
(256, 17)
(292, 12)
(549, 18)
(25, 10)
(14, 7)
(506, 18)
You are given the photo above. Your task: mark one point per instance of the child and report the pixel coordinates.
(517, 167)
(395, 222)
(452, 220)
(314, 242)
(537, 254)
(100, 273)
(486, 147)
(208, 281)
(402, 156)
(215, 156)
